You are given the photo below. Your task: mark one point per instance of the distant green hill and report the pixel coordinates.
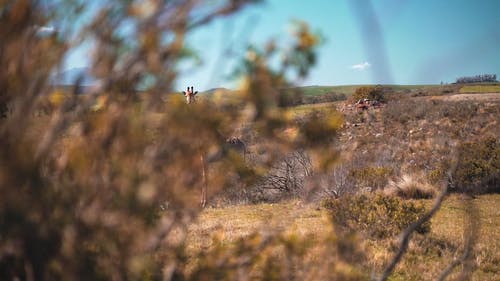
(349, 89)
(344, 89)
(214, 90)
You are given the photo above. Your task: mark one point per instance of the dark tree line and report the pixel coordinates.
(477, 78)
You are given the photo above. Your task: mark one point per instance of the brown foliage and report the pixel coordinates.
(108, 193)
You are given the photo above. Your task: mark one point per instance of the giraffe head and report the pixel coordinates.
(190, 95)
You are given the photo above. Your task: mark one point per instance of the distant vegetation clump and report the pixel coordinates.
(478, 169)
(482, 78)
(376, 215)
(373, 177)
(375, 93)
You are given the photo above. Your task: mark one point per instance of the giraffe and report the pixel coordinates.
(190, 95)
(231, 143)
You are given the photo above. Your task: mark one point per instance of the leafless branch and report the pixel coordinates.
(231, 7)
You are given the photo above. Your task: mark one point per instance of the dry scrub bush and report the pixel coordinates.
(376, 215)
(407, 110)
(375, 93)
(410, 186)
(373, 178)
(478, 169)
(81, 191)
(357, 171)
(416, 136)
(404, 110)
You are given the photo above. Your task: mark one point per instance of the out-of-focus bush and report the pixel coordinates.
(376, 215)
(107, 193)
(283, 257)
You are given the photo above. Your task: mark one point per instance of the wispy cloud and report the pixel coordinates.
(361, 66)
(45, 29)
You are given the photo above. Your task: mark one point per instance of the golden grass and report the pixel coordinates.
(232, 223)
(427, 255)
(449, 223)
(411, 186)
(302, 110)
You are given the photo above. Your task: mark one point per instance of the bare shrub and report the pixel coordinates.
(337, 182)
(286, 179)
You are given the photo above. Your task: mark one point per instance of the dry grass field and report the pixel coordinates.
(404, 134)
(428, 254)
(111, 169)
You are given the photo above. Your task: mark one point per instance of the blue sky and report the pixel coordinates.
(367, 42)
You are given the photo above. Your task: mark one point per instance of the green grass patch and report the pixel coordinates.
(322, 90)
(487, 88)
(350, 89)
